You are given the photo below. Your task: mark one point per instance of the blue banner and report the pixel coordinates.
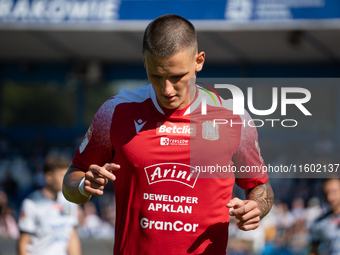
(110, 11)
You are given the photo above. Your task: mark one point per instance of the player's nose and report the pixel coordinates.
(167, 87)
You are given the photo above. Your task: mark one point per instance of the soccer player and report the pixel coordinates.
(325, 232)
(47, 221)
(170, 162)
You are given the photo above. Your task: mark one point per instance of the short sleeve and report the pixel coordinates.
(248, 160)
(26, 220)
(96, 147)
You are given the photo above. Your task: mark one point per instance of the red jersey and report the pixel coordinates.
(178, 168)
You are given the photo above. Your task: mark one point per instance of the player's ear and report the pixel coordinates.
(143, 59)
(200, 57)
(48, 177)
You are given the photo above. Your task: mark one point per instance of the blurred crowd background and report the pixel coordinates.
(57, 66)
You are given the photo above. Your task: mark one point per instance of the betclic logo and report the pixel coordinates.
(176, 129)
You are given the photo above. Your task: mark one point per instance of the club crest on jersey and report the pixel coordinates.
(210, 131)
(175, 172)
(86, 139)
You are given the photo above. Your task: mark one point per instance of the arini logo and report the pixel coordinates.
(174, 172)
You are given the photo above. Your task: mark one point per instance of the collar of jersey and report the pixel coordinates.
(176, 112)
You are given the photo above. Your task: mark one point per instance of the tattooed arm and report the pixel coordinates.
(249, 212)
(263, 195)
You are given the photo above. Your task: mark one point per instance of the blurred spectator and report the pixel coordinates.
(298, 209)
(325, 233)
(299, 237)
(83, 231)
(284, 218)
(92, 221)
(109, 217)
(47, 221)
(8, 225)
(313, 211)
(93, 226)
(20, 172)
(283, 222)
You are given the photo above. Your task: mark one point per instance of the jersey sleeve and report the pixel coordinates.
(26, 221)
(248, 160)
(96, 147)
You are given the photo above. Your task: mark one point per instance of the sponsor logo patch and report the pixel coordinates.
(164, 141)
(176, 128)
(175, 172)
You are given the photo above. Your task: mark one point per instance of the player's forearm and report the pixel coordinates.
(22, 249)
(263, 195)
(74, 247)
(23, 241)
(70, 186)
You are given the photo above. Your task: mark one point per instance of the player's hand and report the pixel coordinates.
(97, 177)
(246, 211)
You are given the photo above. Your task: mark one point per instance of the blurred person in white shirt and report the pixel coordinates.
(47, 221)
(325, 232)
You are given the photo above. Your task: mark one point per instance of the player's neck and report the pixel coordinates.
(191, 97)
(193, 91)
(49, 193)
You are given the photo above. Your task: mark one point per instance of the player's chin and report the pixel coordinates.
(170, 105)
